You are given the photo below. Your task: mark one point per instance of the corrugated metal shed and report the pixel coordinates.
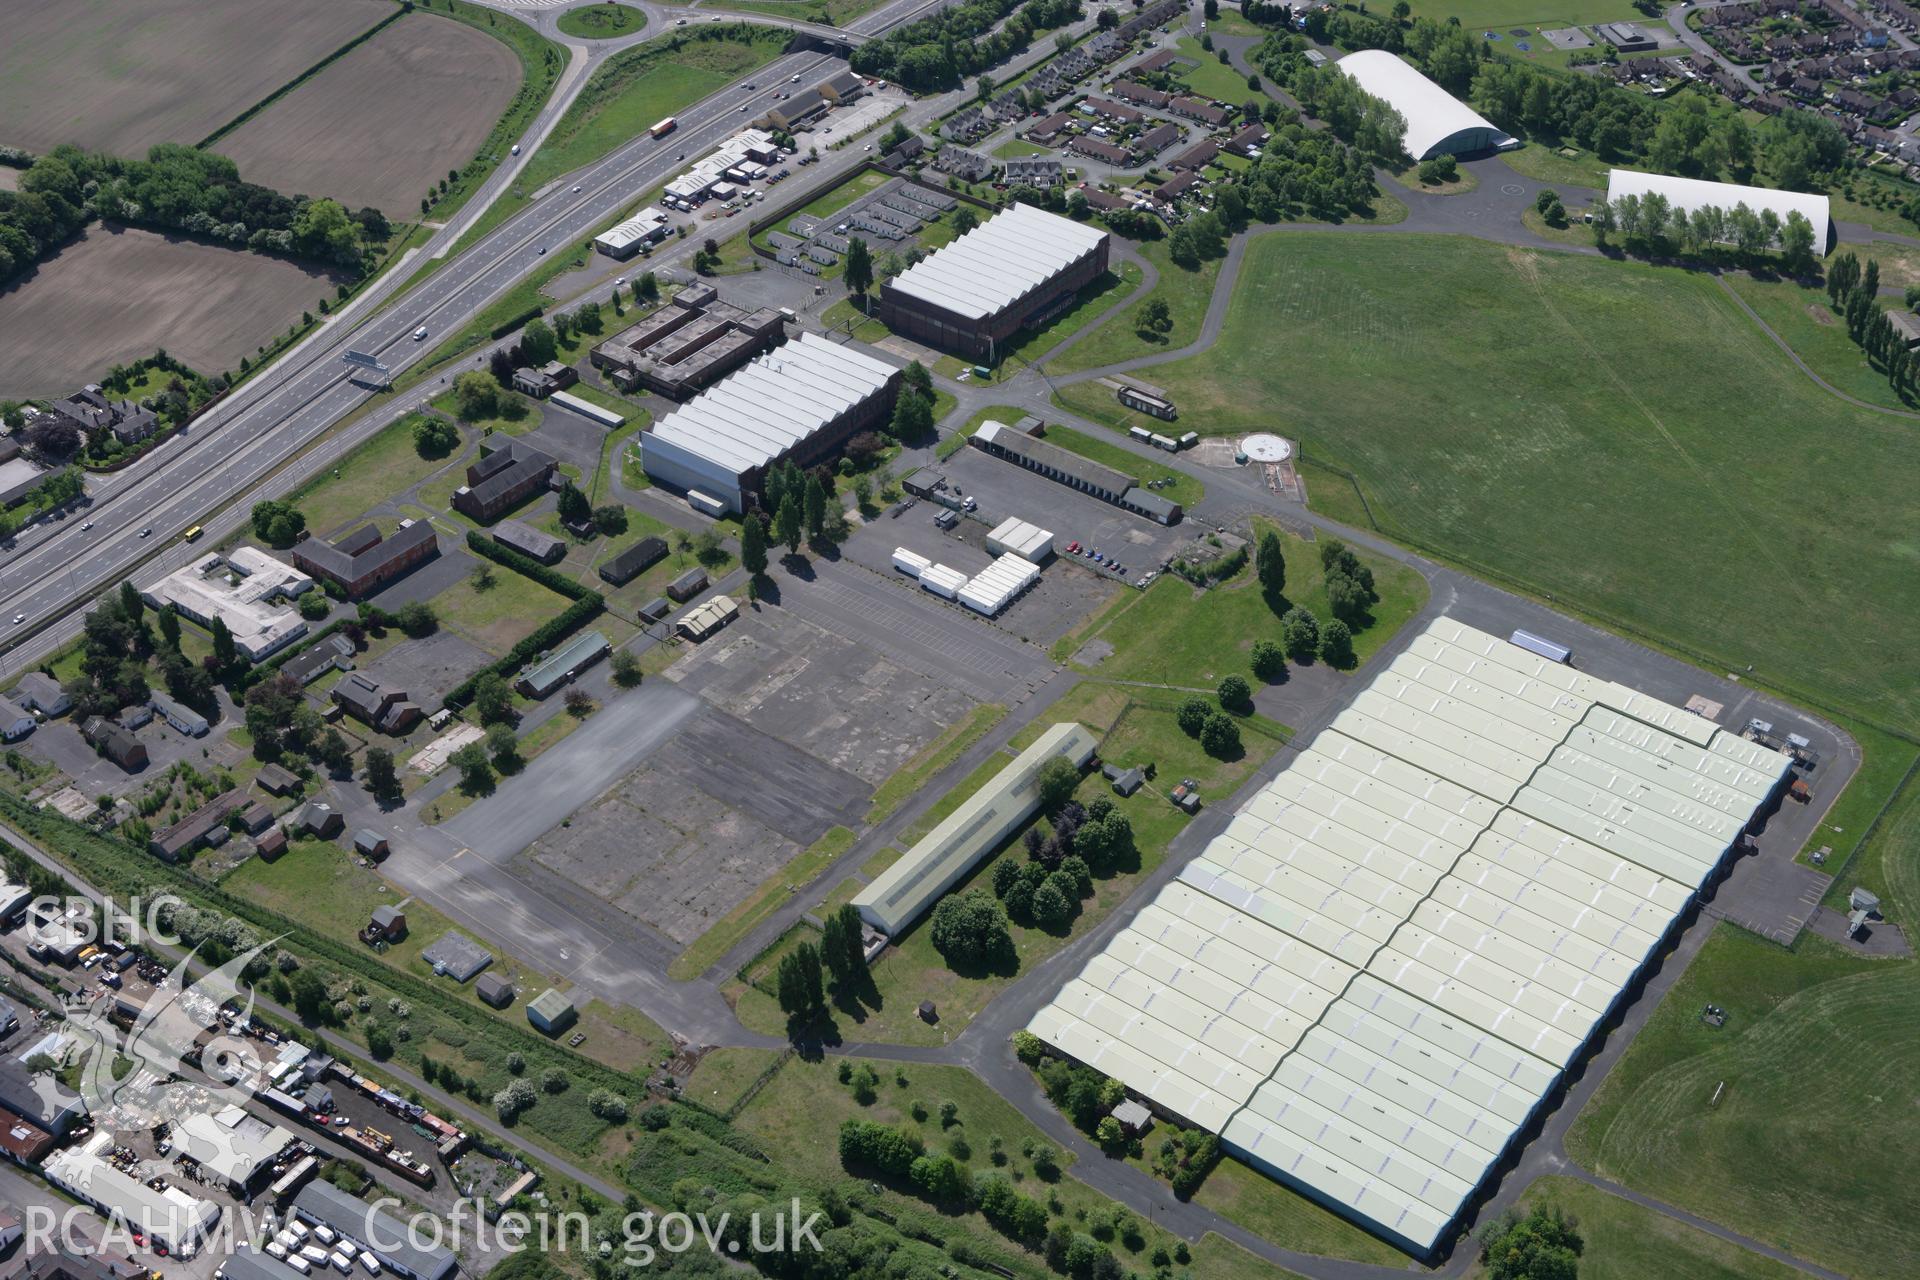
(1419, 924)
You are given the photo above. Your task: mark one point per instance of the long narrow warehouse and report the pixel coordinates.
(1372, 980)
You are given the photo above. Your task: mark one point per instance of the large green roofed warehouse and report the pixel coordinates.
(1372, 980)
(899, 895)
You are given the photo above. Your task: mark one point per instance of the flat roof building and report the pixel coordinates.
(455, 955)
(1437, 122)
(900, 894)
(690, 343)
(247, 589)
(1372, 980)
(1016, 268)
(1688, 194)
(1014, 536)
(800, 402)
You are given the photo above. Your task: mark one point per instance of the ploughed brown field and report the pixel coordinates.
(122, 75)
(387, 121)
(117, 293)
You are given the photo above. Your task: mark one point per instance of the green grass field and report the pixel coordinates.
(1815, 1072)
(1545, 164)
(1804, 318)
(1626, 1242)
(834, 13)
(1889, 862)
(1178, 635)
(1887, 762)
(1499, 408)
(1505, 15)
(382, 467)
(1186, 294)
(601, 21)
(1211, 78)
(1089, 304)
(501, 616)
(632, 90)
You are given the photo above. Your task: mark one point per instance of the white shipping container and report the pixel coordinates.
(943, 581)
(911, 563)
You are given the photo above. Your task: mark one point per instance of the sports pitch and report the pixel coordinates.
(1617, 437)
(384, 123)
(122, 75)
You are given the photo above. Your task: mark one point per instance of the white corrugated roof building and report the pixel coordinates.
(1688, 194)
(897, 896)
(643, 227)
(998, 262)
(1437, 122)
(1371, 979)
(760, 412)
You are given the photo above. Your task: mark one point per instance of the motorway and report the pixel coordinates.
(226, 457)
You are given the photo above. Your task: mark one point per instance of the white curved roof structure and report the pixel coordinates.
(1688, 194)
(1437, 122)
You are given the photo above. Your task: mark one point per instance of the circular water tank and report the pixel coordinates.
(1264, 447)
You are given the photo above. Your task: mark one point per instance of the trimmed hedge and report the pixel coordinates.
(527, 566)
(587, 605)
(506, 327)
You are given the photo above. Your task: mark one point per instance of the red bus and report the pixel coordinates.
(664, 128)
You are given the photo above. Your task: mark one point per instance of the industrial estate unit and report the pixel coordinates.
(1372, 980)
(1016, 269)
(801, 402)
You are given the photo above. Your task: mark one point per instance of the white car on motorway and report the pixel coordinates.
(420, 334)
